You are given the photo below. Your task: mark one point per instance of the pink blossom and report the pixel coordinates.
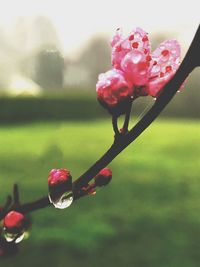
(136, 71)
(13, 220)
(57, 176)
(136, 67)
(117, 37)
(113, 89)
(165, 62)
(137, 40)
(103, 177)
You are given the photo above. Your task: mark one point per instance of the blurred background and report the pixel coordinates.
(51, 53)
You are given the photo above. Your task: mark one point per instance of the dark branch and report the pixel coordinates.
(16, 195)
(6, 206)
(191, 60)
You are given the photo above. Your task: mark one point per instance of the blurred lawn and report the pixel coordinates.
(149, 216)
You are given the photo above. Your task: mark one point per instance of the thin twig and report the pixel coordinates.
(127, 118)
(16, 195)
(115, 126)
(5, 207)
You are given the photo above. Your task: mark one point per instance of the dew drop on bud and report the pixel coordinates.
(178, 91)
(17, 238)
(64, 201)
(136, 57)
(154, 98)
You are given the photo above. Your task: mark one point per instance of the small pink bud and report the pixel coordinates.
(13, 220)
(114, 92)
(59, 176)
(60, 188)
(103, 177)
(14, 226)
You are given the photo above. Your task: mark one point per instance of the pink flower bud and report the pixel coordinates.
(117, 37)
(13, 220)
(59, 176)
(140, 72)
(103, 177)
(60, 188)
(14, 226)
(113, 91)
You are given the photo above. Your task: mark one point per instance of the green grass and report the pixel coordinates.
(149, 216)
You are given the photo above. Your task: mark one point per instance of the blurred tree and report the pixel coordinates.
(33, 33)
(95, 58)
(49, 69)
(7, 59)
(45, 33)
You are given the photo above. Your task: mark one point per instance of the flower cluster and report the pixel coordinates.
(136, 70)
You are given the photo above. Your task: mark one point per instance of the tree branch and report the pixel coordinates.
(191, 60)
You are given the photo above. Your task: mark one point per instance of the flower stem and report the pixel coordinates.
(127, 119)
(115, 126)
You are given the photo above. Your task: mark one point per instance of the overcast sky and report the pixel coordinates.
(77, 20)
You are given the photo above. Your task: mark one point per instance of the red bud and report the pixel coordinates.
(103, 177)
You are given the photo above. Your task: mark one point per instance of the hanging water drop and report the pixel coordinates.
(10, 237)
(64, 201)
(19, 238)
(136, 56)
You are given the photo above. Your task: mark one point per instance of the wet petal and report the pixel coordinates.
(136, 40)
(136, 68)
(165, 62)
(112, 86)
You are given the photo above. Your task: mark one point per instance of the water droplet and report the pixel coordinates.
(19, 238)
(154, 98)
(64, 201)
(136, 57)
(143, 72)
(178, 91)
(165, 58)
(10, 237)
(155, 69)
